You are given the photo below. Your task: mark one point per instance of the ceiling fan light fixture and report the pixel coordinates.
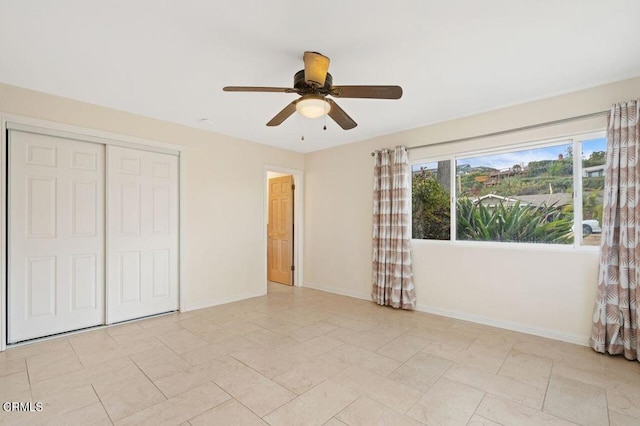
(313, 106)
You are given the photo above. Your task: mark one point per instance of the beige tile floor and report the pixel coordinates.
(304, 357)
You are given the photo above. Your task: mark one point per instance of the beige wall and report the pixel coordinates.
(225, 239)
(542, 291)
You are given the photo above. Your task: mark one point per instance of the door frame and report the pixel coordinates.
(298, 220)
(18, 122)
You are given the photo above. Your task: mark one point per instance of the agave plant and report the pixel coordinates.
(512, 223)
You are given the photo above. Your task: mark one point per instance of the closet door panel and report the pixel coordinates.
(56, 235)
(142, 234)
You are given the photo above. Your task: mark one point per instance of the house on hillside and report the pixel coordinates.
(558, 200)
(593, 171)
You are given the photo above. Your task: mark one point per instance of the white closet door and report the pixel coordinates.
(142, 233)
(56, 235)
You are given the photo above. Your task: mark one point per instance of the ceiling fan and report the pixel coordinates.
(314, 84)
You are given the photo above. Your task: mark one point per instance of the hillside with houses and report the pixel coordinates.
(545, 188)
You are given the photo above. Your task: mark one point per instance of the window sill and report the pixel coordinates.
(509, 246)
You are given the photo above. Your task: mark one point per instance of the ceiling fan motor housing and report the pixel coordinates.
(305, 88)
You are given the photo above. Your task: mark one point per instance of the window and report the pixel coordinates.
(431, 187)
(593, 161)
(533, 194)
(517, 196)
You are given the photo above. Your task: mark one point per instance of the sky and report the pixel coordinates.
(509, 159)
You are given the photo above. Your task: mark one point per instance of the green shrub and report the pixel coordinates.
(512, 223)
(431, 212)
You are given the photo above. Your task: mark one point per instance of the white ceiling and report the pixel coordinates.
(169, 59)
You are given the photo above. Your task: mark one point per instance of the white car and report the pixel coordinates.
(590, 226)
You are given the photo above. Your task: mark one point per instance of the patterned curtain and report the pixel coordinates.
(392, 274)
(615, 316)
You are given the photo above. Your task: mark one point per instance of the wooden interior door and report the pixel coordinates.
(56, 235)
(280, 231)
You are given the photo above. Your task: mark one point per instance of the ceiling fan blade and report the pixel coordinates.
(284, 114)
(340, 116)
(315, 68)
(259, 89)
(376, 92)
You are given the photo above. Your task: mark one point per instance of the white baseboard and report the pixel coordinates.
(555, 335)
(338, 291)
(551, 334)
(222, 301)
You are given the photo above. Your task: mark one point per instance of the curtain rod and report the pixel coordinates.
(514, 130)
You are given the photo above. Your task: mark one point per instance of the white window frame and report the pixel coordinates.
(575, 140)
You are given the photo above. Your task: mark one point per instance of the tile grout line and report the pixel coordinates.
(293, 399)
(102, 404)
(76, 354)
(399, 367)
(281, 405)
(56, 375)
(257, 372)
(475, 410)
(26, 368)
(148, 378)
(504, 360)
(546, 391)
(215, 406)
(348, 405)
